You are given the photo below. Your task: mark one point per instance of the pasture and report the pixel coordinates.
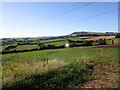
(25, 47)
(59, 68)
(75, 67)
(33, 44)
(57, 42)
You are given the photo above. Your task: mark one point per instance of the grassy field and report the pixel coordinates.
(56, 42)
(116, 41)
(3, 47)
(75, 39)
(51, 40)
(61, 68)
(25, 47)
(57, 68)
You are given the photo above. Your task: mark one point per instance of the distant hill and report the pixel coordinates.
(97, 33)
(79, 32)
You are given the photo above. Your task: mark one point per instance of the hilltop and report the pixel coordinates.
(93, 33)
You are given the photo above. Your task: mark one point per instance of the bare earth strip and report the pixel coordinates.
(107, 46)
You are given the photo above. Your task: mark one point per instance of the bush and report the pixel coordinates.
(43, 47)
(118, 35)
(101, 42)
(87, 43)
(40, 44)
(10, 47)
(78, 44)
(61, 46)
(50, 46)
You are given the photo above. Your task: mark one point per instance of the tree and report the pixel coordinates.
(101, 42)
(40, 44)
(69, 41)
(87, 43)
(50, 46)
(118, 35)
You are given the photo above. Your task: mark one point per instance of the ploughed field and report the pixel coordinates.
(100, 37)
(77, 67)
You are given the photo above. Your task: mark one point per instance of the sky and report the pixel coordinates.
(34, 19)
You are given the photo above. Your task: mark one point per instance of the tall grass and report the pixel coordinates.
(16, 71)
(65, 77)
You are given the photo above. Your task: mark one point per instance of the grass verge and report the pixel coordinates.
(65, 77)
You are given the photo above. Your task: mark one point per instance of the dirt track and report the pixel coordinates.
(104, 77)
(107, 46)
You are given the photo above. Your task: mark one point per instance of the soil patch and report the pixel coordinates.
(104, 77)
(107, 46)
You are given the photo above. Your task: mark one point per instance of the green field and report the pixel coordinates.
(3, 47)
(57, 68)
(116, 41)
(25, 47)
(51, 40)
(75, 39)
(56, 42)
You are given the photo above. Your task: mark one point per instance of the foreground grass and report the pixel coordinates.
(65, 77)
(29, 69)
(17, 71)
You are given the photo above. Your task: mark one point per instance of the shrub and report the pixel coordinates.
(61, 46)
(78, 44)
(9, 47)
(101, 42)
(40, 44)
(50, 46)
(118, 35)
(43, 47)
(87, 43)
